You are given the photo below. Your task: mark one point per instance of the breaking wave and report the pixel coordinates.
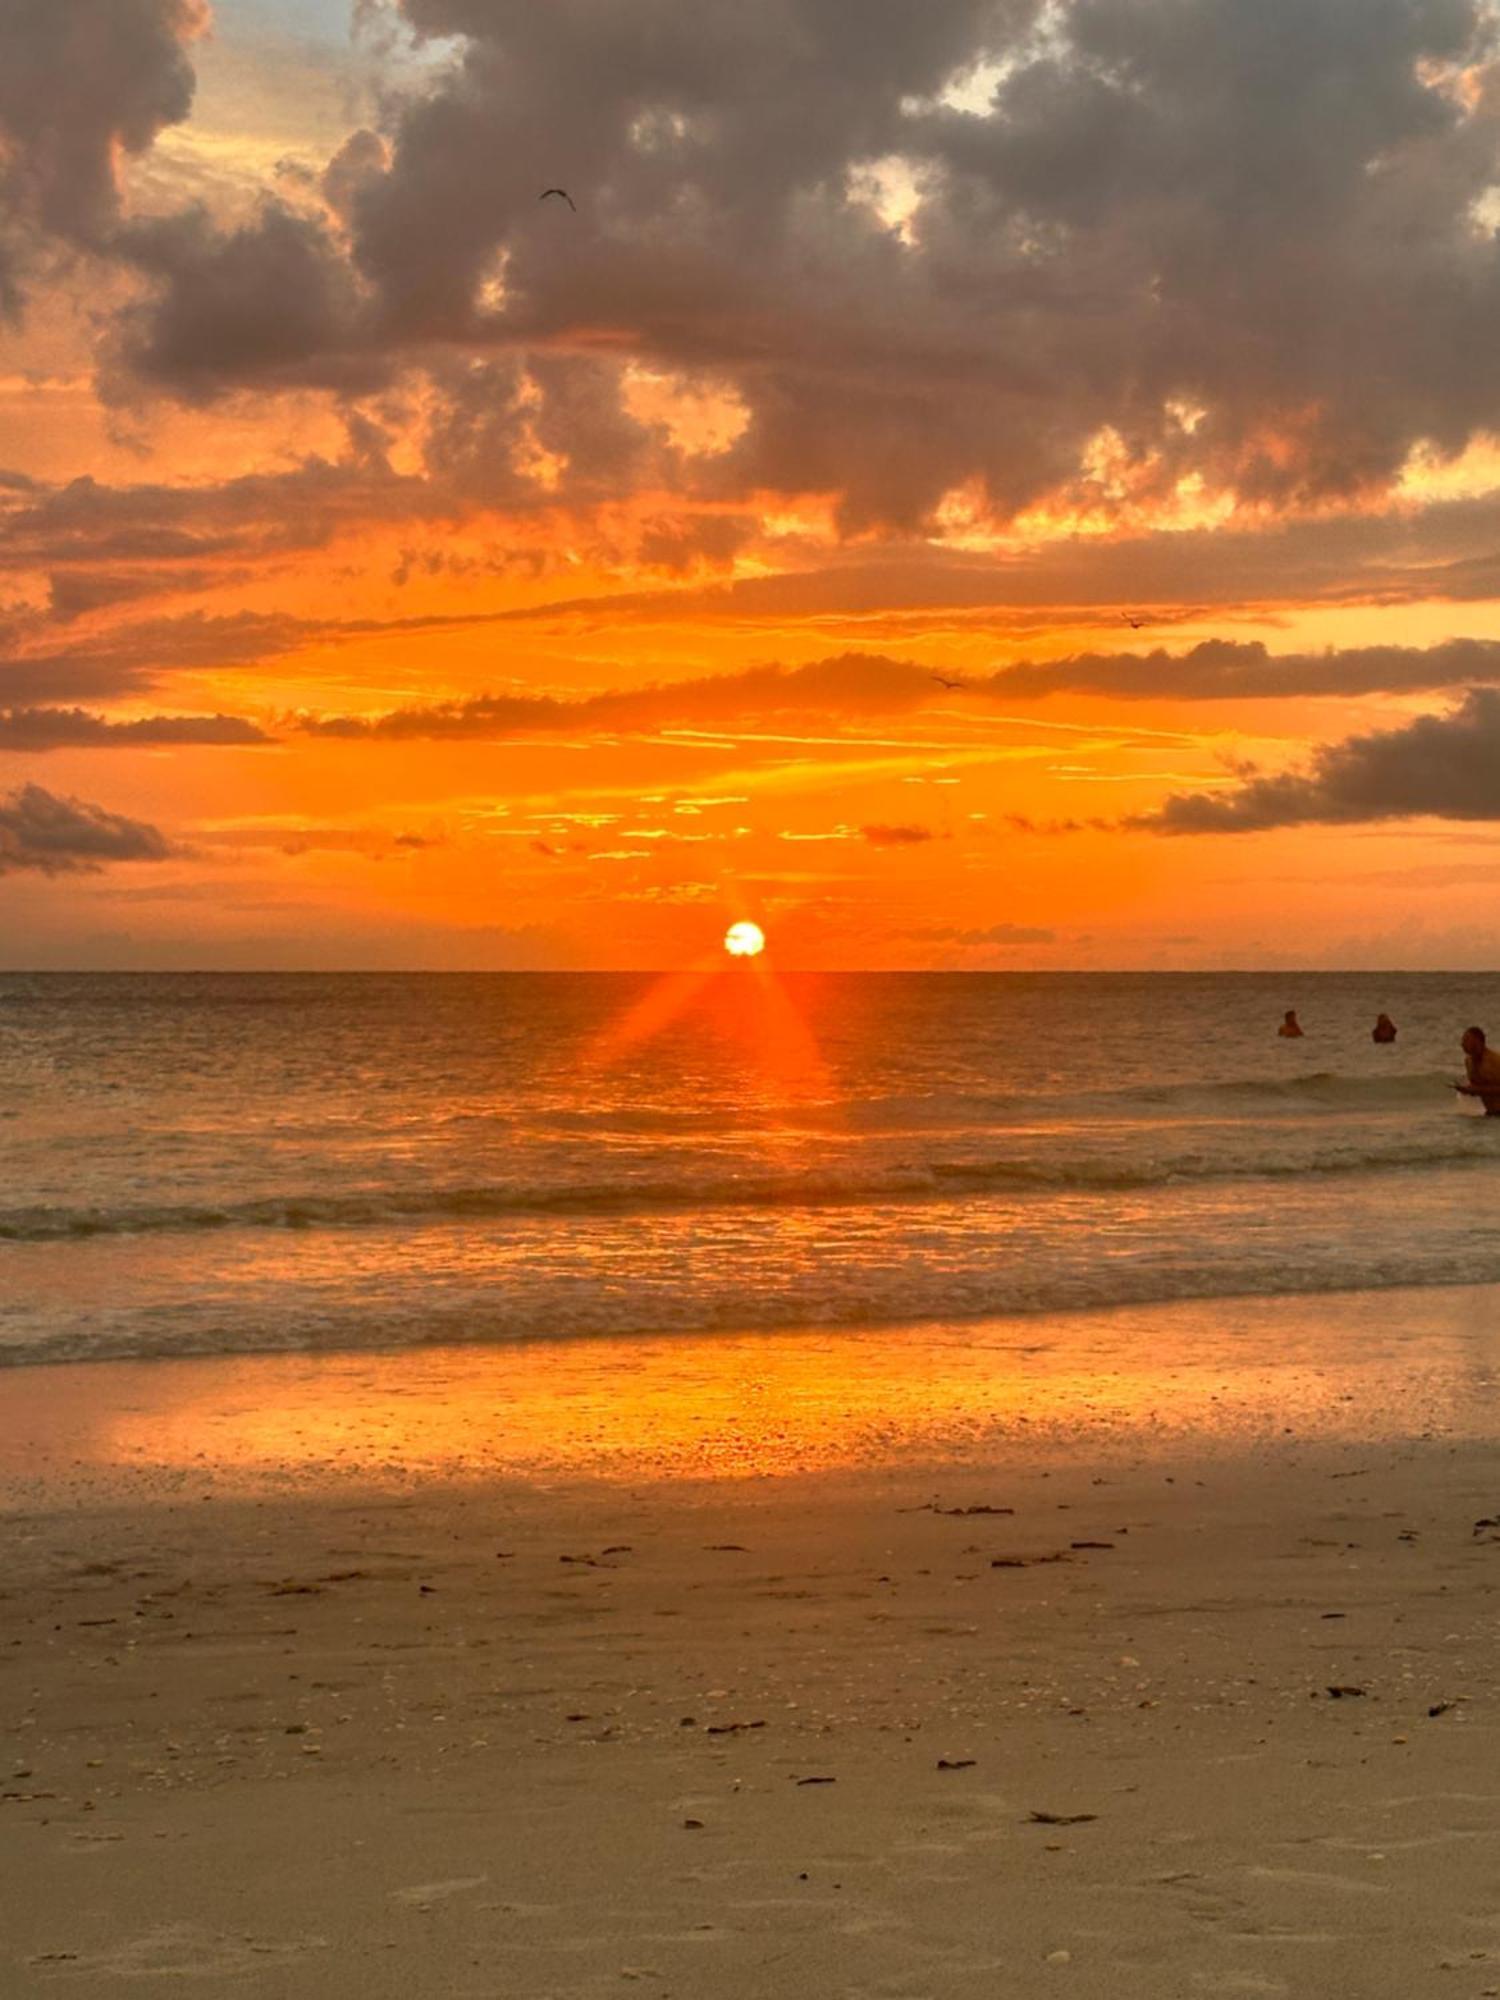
(1450, 1142)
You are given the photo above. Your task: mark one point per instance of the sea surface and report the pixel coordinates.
(206, 1163)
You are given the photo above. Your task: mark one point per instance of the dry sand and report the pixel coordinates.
(285, 1721)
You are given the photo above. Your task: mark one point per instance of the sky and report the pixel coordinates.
(972, 484)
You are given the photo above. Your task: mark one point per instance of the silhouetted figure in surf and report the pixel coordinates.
(1483, 1069)
(1291, 1028)
(1384, 1029)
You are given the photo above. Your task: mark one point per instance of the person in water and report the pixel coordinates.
(1290, 1027)
(1384, 1029)
(1483, 1068)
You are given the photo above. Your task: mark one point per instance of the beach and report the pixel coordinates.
(941, 1675)
(749, 1010)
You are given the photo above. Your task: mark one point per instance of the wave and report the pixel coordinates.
(489, 1316)
(1455, 1142)
(1321, 1088)
(1324, 1090)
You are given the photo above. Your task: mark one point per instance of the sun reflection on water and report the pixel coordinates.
(741, 1407)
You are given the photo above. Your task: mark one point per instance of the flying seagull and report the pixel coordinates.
(563, 192)
(949, 684)
(1135, 624)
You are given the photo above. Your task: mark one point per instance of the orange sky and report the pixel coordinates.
(398, 570)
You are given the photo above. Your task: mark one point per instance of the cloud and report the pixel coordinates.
(75, 728)
(897, 836)
(1152, 244)
(82, 84)
(85, 523)
(858, 685)
(1438, 766)
(1448, 550)
(135, 656)
(847, 683)
(79, 593)
(269, 305)
(1226, 669)
(294, 838)
(61, 836)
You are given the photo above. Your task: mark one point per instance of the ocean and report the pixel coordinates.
(234, 1163)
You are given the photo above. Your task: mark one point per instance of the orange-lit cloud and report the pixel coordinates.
(941, 450)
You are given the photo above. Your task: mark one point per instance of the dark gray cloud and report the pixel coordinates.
(259, 514)
(1240, 670)
(1438, 766)
(82, 82)
(270, 305)
(850, 683)
(1243, 238)
(61, 836)
(40, 729)
(79, 593)
(130, 658)
(855, 685)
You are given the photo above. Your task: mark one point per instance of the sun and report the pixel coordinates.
(744, 940)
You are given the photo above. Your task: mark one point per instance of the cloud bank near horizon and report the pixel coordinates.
(1437, 766)
(49, 835)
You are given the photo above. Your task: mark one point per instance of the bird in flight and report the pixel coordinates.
(949, 684)
(1134, 623)
(560, 191)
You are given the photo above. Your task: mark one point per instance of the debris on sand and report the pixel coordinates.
(731, 1728)
(1344, 1693)
(956, 1763)
(1029, 1562)
(1060, 1819)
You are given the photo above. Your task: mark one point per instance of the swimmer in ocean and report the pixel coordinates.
(1384, 1029)
(1290, 1027)
(1482, 1066)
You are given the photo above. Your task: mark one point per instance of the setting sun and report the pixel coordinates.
(744, 940)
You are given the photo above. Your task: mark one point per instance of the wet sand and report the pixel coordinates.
(940, 1662)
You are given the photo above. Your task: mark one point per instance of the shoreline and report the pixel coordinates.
(424, 1719)
(1225, 1372)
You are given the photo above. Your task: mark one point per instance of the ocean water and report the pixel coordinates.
(237, 1163)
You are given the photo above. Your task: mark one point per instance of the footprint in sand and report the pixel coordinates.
(422, 1895)
(188, 1951)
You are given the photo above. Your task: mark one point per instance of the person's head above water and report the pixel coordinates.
(1473, 1043)
(1290, 1015)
